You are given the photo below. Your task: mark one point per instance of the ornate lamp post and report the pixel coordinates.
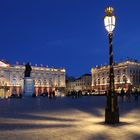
(112, 110)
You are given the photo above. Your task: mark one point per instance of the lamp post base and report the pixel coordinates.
(112, 110)
(111, 117)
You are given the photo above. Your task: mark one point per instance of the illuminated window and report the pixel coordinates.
(14, 81)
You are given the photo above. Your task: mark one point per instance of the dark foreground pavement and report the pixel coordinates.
(66, 119)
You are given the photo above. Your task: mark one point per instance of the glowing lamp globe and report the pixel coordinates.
(109, 20)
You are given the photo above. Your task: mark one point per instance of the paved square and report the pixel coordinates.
(66, 119)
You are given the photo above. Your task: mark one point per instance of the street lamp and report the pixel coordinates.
(112, 110)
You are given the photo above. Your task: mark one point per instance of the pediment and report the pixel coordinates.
(2, 64)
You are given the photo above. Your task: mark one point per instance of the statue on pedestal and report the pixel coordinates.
(28, 70)
(29, 88)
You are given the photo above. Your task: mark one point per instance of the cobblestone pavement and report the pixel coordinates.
(66, 119)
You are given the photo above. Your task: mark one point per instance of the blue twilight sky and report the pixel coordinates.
(67, 33)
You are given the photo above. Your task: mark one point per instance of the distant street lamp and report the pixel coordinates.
(112, 110)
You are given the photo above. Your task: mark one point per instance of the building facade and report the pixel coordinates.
(82, 83)
(45, 79)
(126, 75)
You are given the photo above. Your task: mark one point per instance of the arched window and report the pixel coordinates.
(14, 81)
(124, 70)
(94, 82)
(118, 71)
(44, 81)
(107, 80)
(39, 82)
(99, 81)
(124, 79)
(103, 80)
(118, 79)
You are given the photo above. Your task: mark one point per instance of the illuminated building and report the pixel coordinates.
(82, 83)
(126, 75)
(45, 79)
